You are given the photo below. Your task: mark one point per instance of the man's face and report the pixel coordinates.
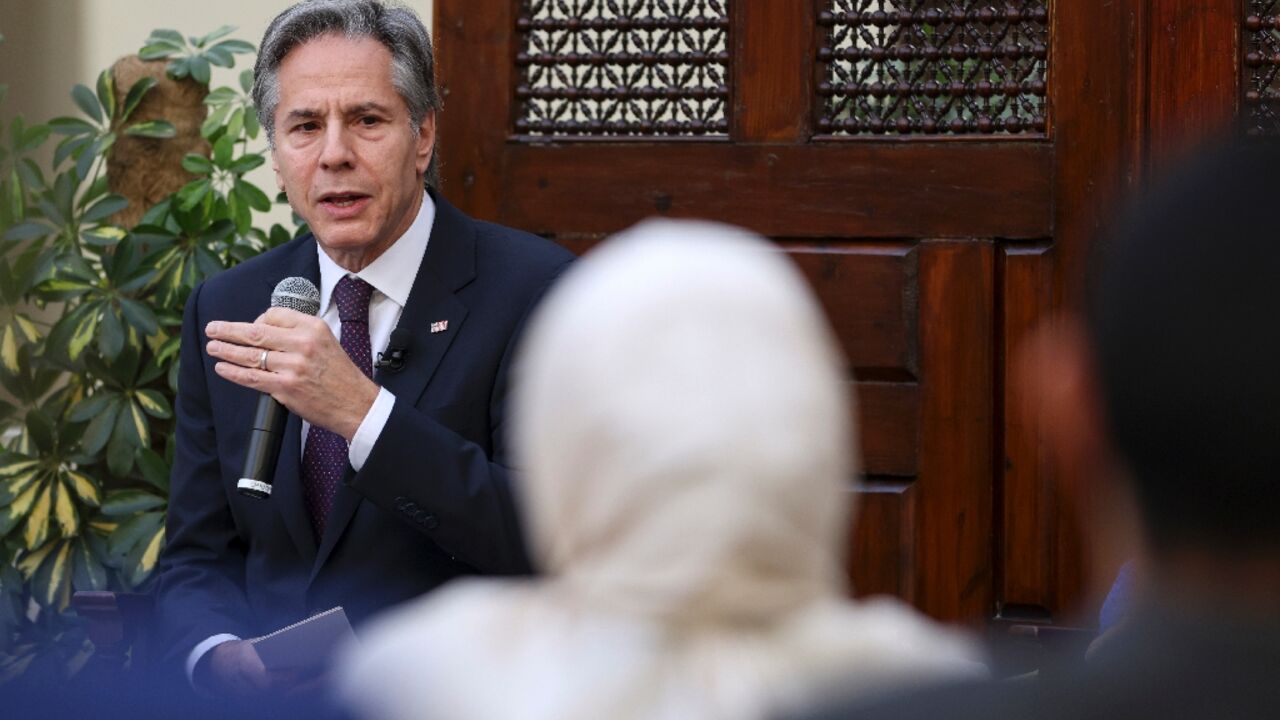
(345, 152)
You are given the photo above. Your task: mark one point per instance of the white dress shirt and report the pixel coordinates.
(391, 287)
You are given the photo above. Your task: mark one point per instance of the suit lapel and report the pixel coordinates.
(433, 316)
(287, 492)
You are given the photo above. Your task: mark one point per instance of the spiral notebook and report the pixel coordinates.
(306, 644)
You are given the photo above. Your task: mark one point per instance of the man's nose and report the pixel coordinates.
(337, 151)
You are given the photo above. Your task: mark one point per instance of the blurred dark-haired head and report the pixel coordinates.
(1183, 315)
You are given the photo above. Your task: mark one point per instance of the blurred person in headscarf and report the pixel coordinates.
(683, 417)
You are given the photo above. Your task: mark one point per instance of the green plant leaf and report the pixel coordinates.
(84, 487)
(12, 487)
(179, 68)
(42, 430)
(199, 69)
(222, 151)
(99, 430)
(246, 78)
(220, 33)
(135, 96)
(129, 502)
(219, 56)
(9, 518)
(132, 426)
(154, 404)
(107, 92)
(120, 452)
(87, 102)
(140, 316)
(26, 328)
(154, 469)
(104, 236)
(193, 193)
(64, 511)
(171, 37)
(32, 138)
(197, 164)
(32, 176)
(220, 96)
(12, 465)
(82, 333)
(36, 530)
(19, 508)
(28, 231)
(52, 582)
(89, 407)
(158, 129)
(215, 122)
(237, 46)
(110, 335)
(158, 51)
(251, 125)
(70, 147)
(104, 208)
(235, 123)
(30, 562)
(142, 558)
(252, 196)
(87, 573)
(87, 157)
(9, 349)
(130, 531)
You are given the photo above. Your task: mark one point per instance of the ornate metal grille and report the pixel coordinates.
(1261, 66)
(623, 68)
(934, 67)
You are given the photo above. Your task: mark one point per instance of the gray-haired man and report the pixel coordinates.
(389, 483)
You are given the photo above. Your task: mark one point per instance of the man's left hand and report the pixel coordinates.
(307, 370)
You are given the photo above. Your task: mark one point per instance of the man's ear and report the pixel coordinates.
(1063, 396)
(426, 142)
(1055, 368)
(275, 168)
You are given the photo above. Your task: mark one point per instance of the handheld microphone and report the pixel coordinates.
(295, 293)
(397, 351)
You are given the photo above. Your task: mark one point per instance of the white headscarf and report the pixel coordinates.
(683, 418)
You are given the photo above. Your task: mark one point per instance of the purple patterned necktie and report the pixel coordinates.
(325, 458)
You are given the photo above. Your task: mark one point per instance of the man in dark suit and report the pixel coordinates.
(388, 483)
(1166, 386)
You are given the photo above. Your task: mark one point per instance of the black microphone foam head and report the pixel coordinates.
(400, 339)
(296, 293)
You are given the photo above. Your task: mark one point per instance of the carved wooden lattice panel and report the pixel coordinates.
(623, 68)
(934, 67)
(1261, 66)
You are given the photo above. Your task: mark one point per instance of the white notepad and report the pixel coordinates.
(306, 644)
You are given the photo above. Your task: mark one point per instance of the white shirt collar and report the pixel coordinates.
(387, 274)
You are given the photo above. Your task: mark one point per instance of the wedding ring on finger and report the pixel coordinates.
(262, 360)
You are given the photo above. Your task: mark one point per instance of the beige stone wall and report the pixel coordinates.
(50, 45)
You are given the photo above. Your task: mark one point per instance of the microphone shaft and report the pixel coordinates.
(264, 447)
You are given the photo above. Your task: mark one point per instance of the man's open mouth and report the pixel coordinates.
(343, 199)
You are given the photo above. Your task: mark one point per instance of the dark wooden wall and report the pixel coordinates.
(935, 248)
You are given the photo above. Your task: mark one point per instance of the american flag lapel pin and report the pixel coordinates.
(439, 326)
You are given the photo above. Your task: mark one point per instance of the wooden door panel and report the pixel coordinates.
(889, 428)
(820, 190)
(882, 547)
(933, 243)
(869, 292)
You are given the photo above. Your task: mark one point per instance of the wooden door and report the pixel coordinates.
(935, 167)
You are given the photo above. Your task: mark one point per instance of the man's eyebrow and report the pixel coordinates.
(370, 106)
(303, 114)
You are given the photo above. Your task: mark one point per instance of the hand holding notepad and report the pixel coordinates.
(304, 646)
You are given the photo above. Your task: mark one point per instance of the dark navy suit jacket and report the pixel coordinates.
(432, 502)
